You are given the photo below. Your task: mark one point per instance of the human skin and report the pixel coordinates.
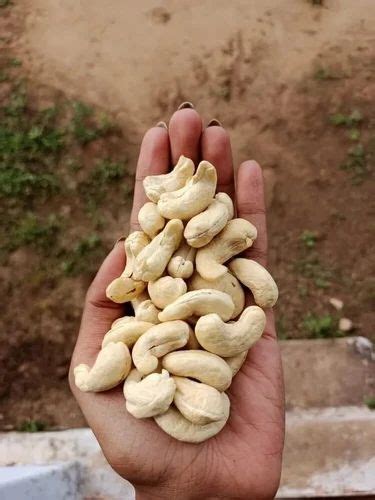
(244, 460)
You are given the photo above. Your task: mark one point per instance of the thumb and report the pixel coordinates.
(99, 312)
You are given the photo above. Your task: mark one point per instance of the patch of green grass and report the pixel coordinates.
(311, 267)
(34, 231)
(354, 134)
(356, 163)
(82, 256)
(32, 426)
(351, 120)
(370, 402)
(309, 238)
(320, 327)
(85, 128)
(3, 76)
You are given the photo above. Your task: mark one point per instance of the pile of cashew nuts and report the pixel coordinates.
(190, 332)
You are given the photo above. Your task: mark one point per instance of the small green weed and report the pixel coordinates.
(356, 163)
(351, 120)
(32, 426)
(311, 267)
(82, 256)
(370, 402)
(320, 327)
(326, 74)
(309, 238)
(33, 230)
(85, 128)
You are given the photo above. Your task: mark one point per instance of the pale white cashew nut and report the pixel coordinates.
(230, 339)
(151, 262)
(134, 243)
(158, 341)
(155, 185)
(193, 198)
(227, 283)
(147, 311)
(150, 219)
(202, 228)
(110, 368)
(199, 403)
(235, 362)
(181, 264)
(237, 236)
(149, 396)
(200, 365)
(166, 290)
(227, 200)
(124, 289)
(257, 279)
(177, 426)
(127, 333)
(199, 303)
(121, 321)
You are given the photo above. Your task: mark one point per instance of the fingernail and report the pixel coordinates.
(214, 123)
(185, 105)
(123, 238)
(162, 125)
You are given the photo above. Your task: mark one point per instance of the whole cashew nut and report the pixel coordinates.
(158, 341)
(147, 311)
(257, 279)
(227, 283)
(127, 333)
(202, 228)
(235, 362)
(166, 290)
(151, 262)
(177, 426)
(134, 244)
(237, 236)
(155, 185)
(149, 396)
(181, 264)
(227, 200)
(124, 289)
(191, 199)
(200, 365)
(110, 368)
(121, 321)
(200, 303)
(150, 219)
(199, 403)
(230, 339)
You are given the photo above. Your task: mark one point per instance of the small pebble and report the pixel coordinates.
(345, 325)
(336, 303)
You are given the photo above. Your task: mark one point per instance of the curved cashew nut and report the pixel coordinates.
(155, 185)
(110, 368)
(147, 311)
(149, 396)
(134, 243)
(237, 235)
(121, 321)
(227, 200)
(124, 289)
(127, 333)
(181, 264)
(200, 303)
(177, 426)
(199, 403)
(202, 228)
(230, 339)
(201, 365)
(150, 219)
(151, 262)
(166, 290)
(235, 362)
(227, 283)
(158, 341)
(258, 279)
(193, 198)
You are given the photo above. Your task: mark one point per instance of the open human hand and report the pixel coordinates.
(244, 459)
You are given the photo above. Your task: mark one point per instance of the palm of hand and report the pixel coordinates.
(244, 459)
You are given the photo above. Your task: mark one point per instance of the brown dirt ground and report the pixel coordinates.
(273, 77)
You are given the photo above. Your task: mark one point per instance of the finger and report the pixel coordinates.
(185, 128)
(153, 160)
(99, 312)
(251, 206)
(216, 149)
